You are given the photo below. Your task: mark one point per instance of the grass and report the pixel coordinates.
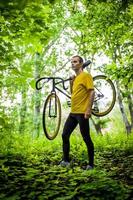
(29, 168)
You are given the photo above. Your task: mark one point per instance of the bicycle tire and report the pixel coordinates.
(46, 127)
(97, 109)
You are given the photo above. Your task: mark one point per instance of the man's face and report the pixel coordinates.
(76, 65)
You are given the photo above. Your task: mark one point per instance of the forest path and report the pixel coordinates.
(42, 178)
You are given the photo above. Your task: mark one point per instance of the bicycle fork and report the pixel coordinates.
(53, 106)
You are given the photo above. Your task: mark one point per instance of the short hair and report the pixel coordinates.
(80, 58)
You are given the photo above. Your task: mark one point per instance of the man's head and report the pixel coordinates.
(77, 63)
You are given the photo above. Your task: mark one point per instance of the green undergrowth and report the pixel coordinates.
(29, 168)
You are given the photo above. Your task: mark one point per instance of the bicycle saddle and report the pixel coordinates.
(88, 62)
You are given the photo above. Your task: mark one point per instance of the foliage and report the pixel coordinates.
(23, 33)
(55, 30)
(31, 169)
(93, 27)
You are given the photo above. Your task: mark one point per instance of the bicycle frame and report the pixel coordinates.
(98, 93)
(54, 88)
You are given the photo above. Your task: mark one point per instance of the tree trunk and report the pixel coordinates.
(37, 99)
(130, 107)
(125, 120)
(97, 126)
(23, 110)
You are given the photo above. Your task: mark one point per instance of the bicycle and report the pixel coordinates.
(105, 97)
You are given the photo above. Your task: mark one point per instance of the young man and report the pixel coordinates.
(81, 103)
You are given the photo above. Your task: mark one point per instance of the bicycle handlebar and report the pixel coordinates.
(51, 78)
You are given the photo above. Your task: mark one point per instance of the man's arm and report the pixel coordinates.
(91, 100)
(71, 82)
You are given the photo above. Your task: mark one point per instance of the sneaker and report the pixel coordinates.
(89, 167)
(64, 163)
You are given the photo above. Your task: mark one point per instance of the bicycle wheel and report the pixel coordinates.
(51, 116)
(105, 96)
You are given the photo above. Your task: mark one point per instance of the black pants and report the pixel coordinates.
(70, 125)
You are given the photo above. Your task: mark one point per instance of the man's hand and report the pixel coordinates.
(72, 77)
(87, 114)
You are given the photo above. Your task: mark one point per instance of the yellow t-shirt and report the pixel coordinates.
(80, 95)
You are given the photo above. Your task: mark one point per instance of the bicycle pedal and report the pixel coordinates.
(95, 109)
(54, 116)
